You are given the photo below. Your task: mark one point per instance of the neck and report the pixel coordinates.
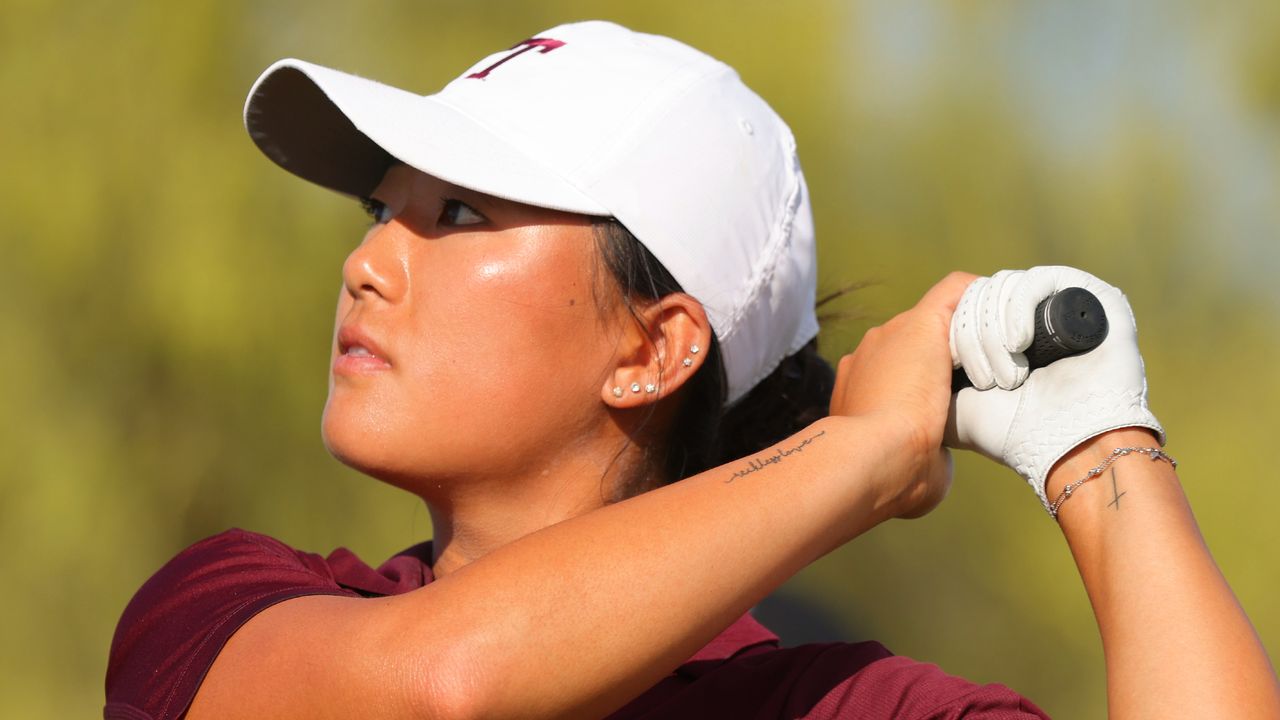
(472, 518)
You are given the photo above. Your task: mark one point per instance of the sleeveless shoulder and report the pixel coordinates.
(179, 620)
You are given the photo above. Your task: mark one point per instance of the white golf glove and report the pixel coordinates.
(1028, 422)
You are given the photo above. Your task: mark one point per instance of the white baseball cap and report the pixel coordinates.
(596, 119)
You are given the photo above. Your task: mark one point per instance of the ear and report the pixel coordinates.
(659, 352)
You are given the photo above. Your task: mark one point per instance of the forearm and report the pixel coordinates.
(1176, 642)
(615, 599)
(578, 618)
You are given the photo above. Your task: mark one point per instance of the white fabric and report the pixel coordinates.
(1029, 421)
(616, 123)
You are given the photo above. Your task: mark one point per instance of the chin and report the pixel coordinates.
(369, 444)
(356, 441)
(346, 445)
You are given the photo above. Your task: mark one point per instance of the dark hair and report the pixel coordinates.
(704, 433)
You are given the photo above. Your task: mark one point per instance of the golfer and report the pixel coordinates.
(581, 328)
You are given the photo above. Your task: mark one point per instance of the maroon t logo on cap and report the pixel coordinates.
(544, 46)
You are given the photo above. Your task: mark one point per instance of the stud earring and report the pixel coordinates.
(694, 349)
(635, 387)
(617, 392)
(649, 388)
(687, 362)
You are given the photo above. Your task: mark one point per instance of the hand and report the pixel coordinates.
(900, 377)
(1029, 421)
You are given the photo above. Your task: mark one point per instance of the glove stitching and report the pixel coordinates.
(1086, 418)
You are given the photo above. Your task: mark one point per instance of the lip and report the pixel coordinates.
(350, 336)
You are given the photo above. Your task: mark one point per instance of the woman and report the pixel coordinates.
(591, 274)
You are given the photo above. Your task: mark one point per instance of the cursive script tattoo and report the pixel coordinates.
(1116, 490)
(757, 464)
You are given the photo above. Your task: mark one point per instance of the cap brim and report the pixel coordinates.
(342, 132)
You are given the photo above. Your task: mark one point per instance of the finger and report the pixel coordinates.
(980, 421)
(945, 294)
(966, 341)
(1035, 285)
(1008, 368)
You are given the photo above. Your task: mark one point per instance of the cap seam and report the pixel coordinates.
(781, 238)
(717, 69)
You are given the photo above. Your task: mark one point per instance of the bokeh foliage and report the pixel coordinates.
(170, 291)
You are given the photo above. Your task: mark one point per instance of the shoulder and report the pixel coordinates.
(223, 572)
(178, 621)
(826, 681)
(841, 683)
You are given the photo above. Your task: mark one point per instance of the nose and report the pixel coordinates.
(377, 268)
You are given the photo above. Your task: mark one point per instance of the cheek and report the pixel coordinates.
(494, 342)
(512, 322)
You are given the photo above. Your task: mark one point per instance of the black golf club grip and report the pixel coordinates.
(1068, 322)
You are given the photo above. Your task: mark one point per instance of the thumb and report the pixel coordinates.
(980, 420)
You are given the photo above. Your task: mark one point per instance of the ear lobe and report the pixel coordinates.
(623, 394)
(661, 350)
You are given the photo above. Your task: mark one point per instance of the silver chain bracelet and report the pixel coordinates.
(1153, 453)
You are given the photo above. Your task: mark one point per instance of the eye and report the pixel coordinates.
(457, 213)
(377, 210)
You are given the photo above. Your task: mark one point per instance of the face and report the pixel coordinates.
(468, 341)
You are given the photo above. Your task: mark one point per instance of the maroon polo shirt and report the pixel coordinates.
(180, 619)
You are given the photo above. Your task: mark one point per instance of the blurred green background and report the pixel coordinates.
(170, 290)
